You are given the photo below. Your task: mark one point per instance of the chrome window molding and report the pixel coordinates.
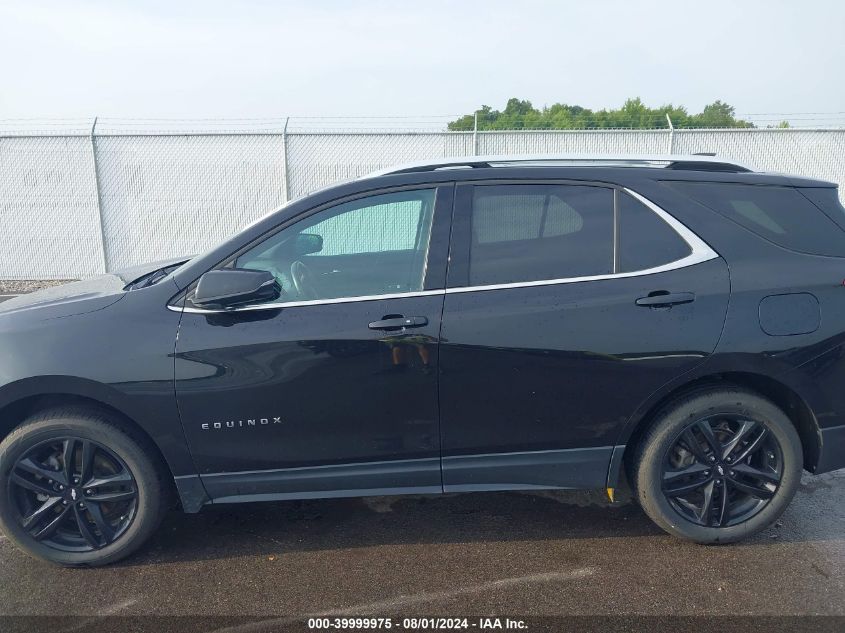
(689, 260)
(310, 302)
(700, 252)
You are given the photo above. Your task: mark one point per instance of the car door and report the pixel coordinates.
(567, 305)
(332, 389)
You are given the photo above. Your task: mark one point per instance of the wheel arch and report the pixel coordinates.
(781, 394)
(28, 397)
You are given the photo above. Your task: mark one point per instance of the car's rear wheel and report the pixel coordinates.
(76, 489)
(718, 466)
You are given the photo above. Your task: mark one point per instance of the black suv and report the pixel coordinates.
(485, 324)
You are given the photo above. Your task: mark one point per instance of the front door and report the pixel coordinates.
(567, 306)
(332, 390)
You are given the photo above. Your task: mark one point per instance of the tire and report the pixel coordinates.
(667, 464)
(119, 513)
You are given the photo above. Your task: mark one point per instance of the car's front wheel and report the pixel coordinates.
(717, 466)
(76, 489)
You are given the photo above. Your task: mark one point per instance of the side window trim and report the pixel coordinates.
(616, 204)
(310, 302)
(700, 251)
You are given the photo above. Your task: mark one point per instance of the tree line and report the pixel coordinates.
(521, 114)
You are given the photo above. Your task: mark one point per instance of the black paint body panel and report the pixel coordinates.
(344, 393)
(573, 468)
(366, 479)
(115, 349)
(563, 366)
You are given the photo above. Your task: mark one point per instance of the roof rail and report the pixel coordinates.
(666, 161)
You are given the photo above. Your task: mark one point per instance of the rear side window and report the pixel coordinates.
(523, 233)
(779, 214)
(645, 240)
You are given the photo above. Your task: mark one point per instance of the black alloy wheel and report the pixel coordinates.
(717, 465)
(722, 470)
(73, 494)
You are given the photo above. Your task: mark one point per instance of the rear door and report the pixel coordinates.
(567, 305)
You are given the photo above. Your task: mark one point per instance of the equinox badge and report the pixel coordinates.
(241, 424)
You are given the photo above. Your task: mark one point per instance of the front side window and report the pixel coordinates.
(522, 233)
(370, 246)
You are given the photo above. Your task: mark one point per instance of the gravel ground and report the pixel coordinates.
(20, 286)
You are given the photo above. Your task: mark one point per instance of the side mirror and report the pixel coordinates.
(233, 287)
(308, 243)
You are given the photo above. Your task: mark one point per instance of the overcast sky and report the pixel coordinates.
(68, 58)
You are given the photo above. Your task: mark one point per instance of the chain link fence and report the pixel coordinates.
(77, 202)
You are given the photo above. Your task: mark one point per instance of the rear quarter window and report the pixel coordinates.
(644, 239)
(781, 215)
(826, 199)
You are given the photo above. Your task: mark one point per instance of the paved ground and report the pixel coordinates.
(507, 553)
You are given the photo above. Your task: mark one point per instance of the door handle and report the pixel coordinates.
(398, 322)
(664, 299)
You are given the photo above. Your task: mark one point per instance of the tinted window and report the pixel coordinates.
(376, 245)
(779, 214)
(536, 232)
(389, 223)
(826, 199)
(644, 239)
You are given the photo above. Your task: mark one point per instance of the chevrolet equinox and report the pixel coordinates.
(491, 323)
